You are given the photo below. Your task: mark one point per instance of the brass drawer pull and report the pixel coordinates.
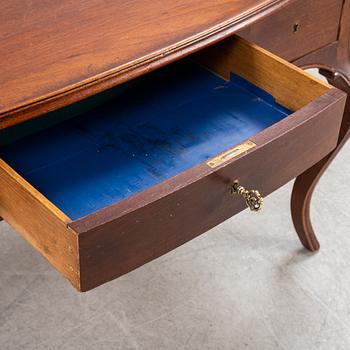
(253, 198)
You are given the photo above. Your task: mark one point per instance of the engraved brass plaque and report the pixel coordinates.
(231, 153)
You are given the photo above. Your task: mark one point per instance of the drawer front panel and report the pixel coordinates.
(298, 28)
(283, 151)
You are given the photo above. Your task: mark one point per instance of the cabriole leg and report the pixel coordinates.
(335, 66)
(305, 183)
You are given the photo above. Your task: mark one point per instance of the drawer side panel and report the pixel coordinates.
(36, 219)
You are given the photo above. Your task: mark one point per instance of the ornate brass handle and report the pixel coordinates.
(252, 198)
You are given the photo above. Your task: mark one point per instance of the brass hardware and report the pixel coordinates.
(253, 198)
(230, 154)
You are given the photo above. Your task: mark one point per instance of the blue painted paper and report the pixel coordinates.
(159, 126)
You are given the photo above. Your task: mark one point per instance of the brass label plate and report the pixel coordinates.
(231, 153)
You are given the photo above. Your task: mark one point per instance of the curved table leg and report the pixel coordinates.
(305, 183)
(335, 61)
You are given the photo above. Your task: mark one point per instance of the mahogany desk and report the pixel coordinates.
(240, 117)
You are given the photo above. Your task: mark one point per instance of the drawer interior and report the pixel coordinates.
(159, 127)
(154, 128)
(101, 187)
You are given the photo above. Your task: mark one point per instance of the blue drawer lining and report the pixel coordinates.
(165, 123)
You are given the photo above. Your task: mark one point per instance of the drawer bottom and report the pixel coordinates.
(161, 127)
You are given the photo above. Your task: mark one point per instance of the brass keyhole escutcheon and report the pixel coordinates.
(253, 198)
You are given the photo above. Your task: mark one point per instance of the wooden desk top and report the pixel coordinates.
(54, 53)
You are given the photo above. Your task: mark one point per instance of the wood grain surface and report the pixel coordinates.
(288, 84)
(54, 53)
(43, 225)
(297, 28)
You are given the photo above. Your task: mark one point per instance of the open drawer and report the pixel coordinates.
(117, 186)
